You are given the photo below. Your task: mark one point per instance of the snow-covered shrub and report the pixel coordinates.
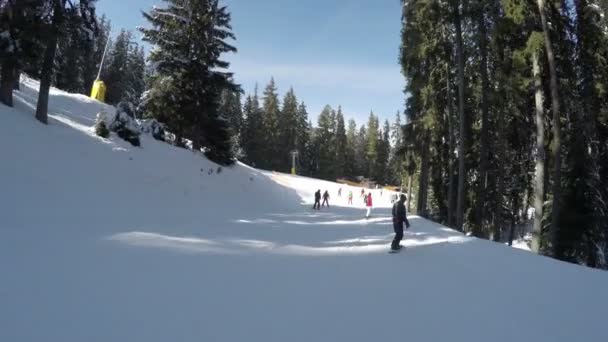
(124, 125)
(101, 129)
(126, 128)
(127, 108)
(154, 128)
(102, 122)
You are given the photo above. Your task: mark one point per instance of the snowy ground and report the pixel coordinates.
(100, 241)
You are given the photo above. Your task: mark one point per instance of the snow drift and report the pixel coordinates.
(103, 241)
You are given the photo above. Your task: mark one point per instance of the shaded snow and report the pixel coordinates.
(102, 241)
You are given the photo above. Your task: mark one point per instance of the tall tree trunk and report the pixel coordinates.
(556, 146)
(47, 65)
(423, 183)
(539, 178)
(484, 141)
(451, 147)
(513, 219)
(16, 80)
(6, 82)
(45, 79)
(409, 192)
(502, 76)
(463, 134)
(500, 155)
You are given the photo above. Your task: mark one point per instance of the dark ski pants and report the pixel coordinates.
(317, 205)
(325, 202)
(398, 227)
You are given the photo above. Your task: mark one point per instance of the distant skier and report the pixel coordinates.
(350, 197)
(368, 204)
(317, 204)
(399, 218)
(362, 193)
(325, 199)
(340, 192)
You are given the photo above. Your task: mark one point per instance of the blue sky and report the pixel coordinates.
(336, 52)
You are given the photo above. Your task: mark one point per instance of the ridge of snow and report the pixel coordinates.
(103, 241)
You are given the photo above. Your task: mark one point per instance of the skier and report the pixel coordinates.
(317, 204)
(362, 193)
(368, 204)
(350, 197)
(399, 218)
(325, 198)
(340, 192)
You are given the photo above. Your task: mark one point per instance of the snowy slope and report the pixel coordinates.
(101, 241)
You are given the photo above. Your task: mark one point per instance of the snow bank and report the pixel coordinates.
(102, 241)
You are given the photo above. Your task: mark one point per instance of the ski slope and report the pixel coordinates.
(101, 241)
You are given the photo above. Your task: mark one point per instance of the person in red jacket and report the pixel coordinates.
(368, 204)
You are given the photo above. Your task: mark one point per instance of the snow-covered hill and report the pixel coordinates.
(102, 241)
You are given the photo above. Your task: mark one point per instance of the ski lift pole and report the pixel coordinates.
(103, 58)
(294, 154)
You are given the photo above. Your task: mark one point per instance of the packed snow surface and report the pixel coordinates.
(102, 241)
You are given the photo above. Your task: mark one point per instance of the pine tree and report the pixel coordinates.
(55, 16)
(351, 169)
(361, 161)
(21, 25)
(324, 141)
(382, 157)
(303, 140)
(395, 160)
(288, 128)
(190, 76)
(340, 144)
(372, 145)
(232, 111)
(135, 77)
(271, 112)
(252, 133)
(115, 73)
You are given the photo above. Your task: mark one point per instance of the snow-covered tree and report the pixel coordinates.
(189, 38)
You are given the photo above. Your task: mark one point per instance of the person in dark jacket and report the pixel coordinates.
(325, 199)
(317, 204)
(399, 218)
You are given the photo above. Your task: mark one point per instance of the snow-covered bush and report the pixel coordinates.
(126, 128)
(154, 128)
(102, 122)
(101, 129)
(121, 122)
(126, 107)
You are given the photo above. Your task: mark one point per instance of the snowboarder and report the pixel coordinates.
(317, 204)
(325, 199)
(350, 197)
(368, 204)
(340, 192)
(399, 218)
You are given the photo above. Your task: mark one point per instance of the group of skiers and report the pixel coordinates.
(318, 204)
(367, 199)
(399, 212)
